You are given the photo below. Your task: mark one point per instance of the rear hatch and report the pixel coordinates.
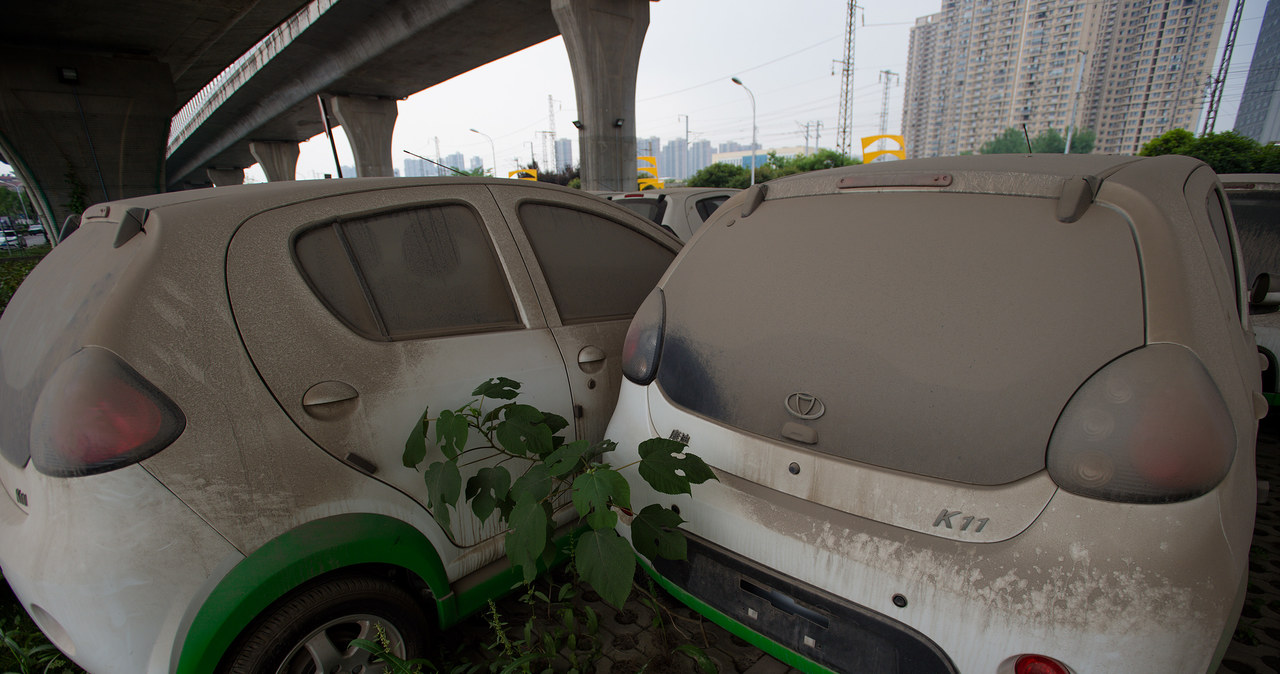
(930, 336)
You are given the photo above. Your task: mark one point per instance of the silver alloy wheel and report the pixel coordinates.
(328, 649)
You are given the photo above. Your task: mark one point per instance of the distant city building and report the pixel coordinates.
(417, 168)
(475, 163)
(700, 153)
(456, 161)
(743, 157)
(1259, 113)
(1129, 69)
(564, 155)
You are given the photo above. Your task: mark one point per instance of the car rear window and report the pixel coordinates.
(942, 333)
(413, 273)
(649, 209)
(709, 205)
(1257, 216)
(596, 268)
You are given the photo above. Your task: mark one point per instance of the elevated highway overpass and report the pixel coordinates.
(88, 89)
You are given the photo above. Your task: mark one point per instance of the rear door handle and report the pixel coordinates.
(329, 392)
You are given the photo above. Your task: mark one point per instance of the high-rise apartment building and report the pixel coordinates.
(1128, 69)
(1259, 113)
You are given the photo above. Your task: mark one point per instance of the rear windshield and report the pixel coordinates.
(942, 333)
(650, 209)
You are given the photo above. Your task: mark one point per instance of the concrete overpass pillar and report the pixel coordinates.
(278, 159)
(81, 128)
(604, 38)
(221, 177)
(368, 123)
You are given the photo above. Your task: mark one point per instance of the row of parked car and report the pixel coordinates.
(978, 414)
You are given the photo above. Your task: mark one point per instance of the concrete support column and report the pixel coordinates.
(81, 127)
(222, 177)
(278, 159)
(603, 38)
(368, 123)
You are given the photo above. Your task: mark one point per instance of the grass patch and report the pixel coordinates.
(13, 270)
(23, 648)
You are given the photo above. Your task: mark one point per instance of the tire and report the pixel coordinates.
(311, 632)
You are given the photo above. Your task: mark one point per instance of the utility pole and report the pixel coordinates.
(888, 77)
(551, 119)
(817, 136)
(844, 123)
(1075, 98)
(805, 126)
(439, 159)
(688, 163)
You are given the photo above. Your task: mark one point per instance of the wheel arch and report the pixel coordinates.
(299, 556)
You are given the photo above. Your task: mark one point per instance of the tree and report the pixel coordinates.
(1225, 152)
(1014, 141)
(1174, 141)
(721, 174)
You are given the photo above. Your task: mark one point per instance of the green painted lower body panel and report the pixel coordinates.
(782, 653)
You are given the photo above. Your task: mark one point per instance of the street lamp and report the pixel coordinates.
(492, 150)
(753, 128)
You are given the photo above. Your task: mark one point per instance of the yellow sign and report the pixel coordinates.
(868, 157)
(649, 183)
(525, 174)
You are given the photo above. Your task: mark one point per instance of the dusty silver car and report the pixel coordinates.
(975, 414)
(207, 396)
(681, 210)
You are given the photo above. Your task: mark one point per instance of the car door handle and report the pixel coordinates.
(329, 392)
(591, 359)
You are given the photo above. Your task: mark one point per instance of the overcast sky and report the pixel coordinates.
(785, 53)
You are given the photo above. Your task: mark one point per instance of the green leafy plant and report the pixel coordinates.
(531, 475)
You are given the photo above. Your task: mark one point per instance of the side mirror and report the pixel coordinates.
(1264, 294)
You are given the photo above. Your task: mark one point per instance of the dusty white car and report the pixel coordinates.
(207, 396)
(990, 415)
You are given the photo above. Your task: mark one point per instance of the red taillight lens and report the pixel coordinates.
(643, 345)
(1038, 664)
(1150, 427)
(97, 414)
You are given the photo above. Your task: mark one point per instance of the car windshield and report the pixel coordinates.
(649, 209)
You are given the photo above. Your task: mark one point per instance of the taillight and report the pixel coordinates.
(1150, 427)
(97, 414)
(643, 346)
(1038, 664)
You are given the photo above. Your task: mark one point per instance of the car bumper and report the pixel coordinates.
(1099, 586)
(111, 567)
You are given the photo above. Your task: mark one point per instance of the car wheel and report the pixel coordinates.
(311, 632)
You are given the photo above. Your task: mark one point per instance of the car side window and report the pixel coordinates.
(423, 272)
(1216, 206)
(709, 205)
(596, 268)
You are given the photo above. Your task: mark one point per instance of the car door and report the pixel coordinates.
(361, 311)
(591, 267)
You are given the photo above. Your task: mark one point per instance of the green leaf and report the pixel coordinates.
(522, 432)
(555, 422)
(487, 488)
(669, 469)
(499, 388)
(444, 486)
(705, 664)
(451, 433)
(415, 448)
(528, 536)
(563, 460)
(495, 413)
(593, 491)
(607, 562)
(655, 533)
(534, 485)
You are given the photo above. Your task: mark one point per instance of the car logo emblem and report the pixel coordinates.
(805, 406)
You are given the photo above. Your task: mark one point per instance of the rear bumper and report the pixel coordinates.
(1099, 586)
(109, 566)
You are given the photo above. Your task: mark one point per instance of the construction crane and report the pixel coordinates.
(1220, 82)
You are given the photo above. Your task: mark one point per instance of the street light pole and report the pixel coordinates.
(753, 128)
(492, 150)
